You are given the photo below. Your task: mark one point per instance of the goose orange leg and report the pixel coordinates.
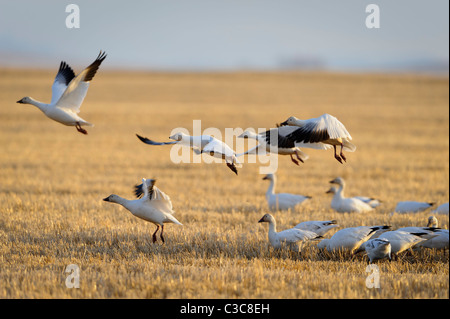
(337, 156)
(161, 234)
(299, 158)
(154, 234)
(342, 154)
(80, 129)
(292, 159)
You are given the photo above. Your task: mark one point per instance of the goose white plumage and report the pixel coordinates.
(291, 237)
(281, 201)
(402, 240)
(68, 93)
(325, 129)
(350, 239)
(152, 205)
(441, 209)
(411, 207)
(343, 204)
(318, 227)
(202, 144)
(378, 248)
(372, 202)
(441, 241)
(275, 141)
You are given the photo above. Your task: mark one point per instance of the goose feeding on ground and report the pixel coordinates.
(325, 129)
(281, 201)
(378, 248)
(441, 241)
(441, 209)
(68, 93)
(318, 227)
(350, 238)
(289, 236)
(372, 202)
(152, 205)
(402, 240)
(275, 141)
(412, 207)
(202, 144)
(343, 204)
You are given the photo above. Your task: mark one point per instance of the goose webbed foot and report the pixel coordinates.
(80, 129)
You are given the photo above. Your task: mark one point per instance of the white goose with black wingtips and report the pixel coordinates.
(152, 205)
(325, 129)
(202, 144)
(68, 93)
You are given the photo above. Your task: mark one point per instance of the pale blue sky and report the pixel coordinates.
(227, 34)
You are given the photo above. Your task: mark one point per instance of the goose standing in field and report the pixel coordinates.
(378, 248)
(289, 236)
(412, 207)
(343, 204)
(372, 202)
(68, 93)
(441, 209)
(402, 240)
(318, 227)
(325, 129)
(281, 201)
(152, 205)
(202, 144)
(275, 141)
(351, 238)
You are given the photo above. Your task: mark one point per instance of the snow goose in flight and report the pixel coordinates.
(68, 93)
(412, 207)
(325, 129)
(378, 248)
(372, 202)
(350, 238)
(202, 144)
(275, 141)
(343, 204)
(289, 236)
(318, 227)
(152, 205)
(281, 201)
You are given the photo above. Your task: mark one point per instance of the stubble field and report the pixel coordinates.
(53, 180)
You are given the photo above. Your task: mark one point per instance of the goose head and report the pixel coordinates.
(177, 136)
(111, 198)
(338, 180)
(432, 222)
(268, 177)
(290, 121)
(247, 134)
(332, 190)
(267, 218)
(25, 100)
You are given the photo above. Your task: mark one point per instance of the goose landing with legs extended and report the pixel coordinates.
(152, 205)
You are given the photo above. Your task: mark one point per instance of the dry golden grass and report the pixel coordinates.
(53, 180)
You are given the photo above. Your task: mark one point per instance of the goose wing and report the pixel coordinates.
(63, 77)
(76, 90)
(295, 135)
(320, 129)
(219, 149)
(157, 197)
(151, 142)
